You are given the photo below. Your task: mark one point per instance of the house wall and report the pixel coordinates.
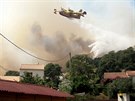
(58, 99)
(24, 97)
(6, 96)
(42, 98)
(34, 72)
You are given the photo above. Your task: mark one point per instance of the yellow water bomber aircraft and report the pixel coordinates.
(71, 13)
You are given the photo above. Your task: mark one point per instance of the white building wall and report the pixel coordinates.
(40, 73)
(123, 97)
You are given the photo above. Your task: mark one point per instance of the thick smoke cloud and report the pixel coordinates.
(59, 44)
(34, 27)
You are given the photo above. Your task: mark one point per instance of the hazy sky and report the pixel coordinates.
(32, 25)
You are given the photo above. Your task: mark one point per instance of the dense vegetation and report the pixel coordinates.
(84, 74)
(12, 73)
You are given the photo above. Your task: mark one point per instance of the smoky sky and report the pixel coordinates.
(33, 26)
(59, 44)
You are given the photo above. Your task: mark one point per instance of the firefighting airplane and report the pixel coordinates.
(71, 13)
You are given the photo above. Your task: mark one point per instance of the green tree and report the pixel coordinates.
(29, 78)
(52, 73)
(108, 63)
(83, 75)
(117, 61)
(65, 86)
(12, 73)
(126, 58)
(120, 85)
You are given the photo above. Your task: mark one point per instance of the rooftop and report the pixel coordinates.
(10, 78)
(130, 73)
(114, 75)
(32, 67)
(16, 87)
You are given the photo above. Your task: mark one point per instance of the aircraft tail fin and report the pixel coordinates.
(55, 11)
(84, 12)
(80, 10)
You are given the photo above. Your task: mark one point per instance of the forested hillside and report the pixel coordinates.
(84, 74)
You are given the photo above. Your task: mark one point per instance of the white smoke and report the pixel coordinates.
(113, 20)
(111, 23)
(106, 41)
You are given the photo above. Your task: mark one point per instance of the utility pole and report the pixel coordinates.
(70, 62)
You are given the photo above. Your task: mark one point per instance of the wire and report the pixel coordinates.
(31, 54)
(3, 68)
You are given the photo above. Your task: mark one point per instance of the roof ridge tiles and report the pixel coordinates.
(27, 88)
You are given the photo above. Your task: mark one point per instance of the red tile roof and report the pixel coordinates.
(114, 75)
(16, 87)
(130, 73)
